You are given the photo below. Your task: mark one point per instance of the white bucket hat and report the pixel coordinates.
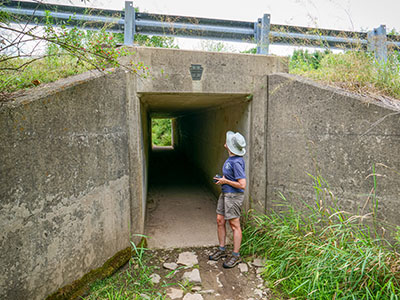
(236, 143)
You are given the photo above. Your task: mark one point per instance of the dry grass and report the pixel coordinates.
(356, 71)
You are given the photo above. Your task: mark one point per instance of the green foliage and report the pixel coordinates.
(134, 283)
(97, 48)
(306, 61)
(161, 132)
(322, 252)
(69, 51)
(357, 71)
(155, 41)
(40, 71)
(250, 51)
(149, 41)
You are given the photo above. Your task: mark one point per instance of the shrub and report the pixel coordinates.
(161, 132)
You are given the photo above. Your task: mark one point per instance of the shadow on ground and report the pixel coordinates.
(180, 209)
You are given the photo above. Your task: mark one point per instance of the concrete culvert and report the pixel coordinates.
(78, 161)
(181, 199)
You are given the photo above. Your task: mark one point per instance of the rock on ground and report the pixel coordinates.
(170, 266)
(258, 293)
(187, 259)
(193, 276)
(155, 278)
(193, 297)
(174, 293)
(243, 267)
(258, 262)
(217, 283)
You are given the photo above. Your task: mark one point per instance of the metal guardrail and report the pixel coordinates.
(261, 32)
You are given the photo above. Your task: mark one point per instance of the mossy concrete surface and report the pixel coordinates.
(82, 286)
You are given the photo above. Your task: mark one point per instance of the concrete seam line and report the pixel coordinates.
(378, 122)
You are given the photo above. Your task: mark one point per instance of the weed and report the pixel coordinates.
(323, 252)
(68, 51)
(357, 71)
(134, 283)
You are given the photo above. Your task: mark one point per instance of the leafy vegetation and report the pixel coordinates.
(68, 51)
(357, 71)
(303, 60)
(134, 283)
(161, 130)
(322, 252)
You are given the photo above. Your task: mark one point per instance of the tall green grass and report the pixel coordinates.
(357, 71)
(322, 252)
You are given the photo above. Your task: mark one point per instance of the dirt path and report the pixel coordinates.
(180, 208)
(215, 281)
(181, 218)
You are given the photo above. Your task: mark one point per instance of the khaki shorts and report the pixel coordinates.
(230, 205)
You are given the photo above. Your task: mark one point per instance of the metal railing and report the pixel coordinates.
(261, 32)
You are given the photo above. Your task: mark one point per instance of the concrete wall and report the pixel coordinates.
(317, 129)
(225, 75)
(74, 156)
(64, 206)
(202, 137)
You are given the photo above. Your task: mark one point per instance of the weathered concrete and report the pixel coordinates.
(320, 130)
(64, 179)
(231, 95)
(203, 136)
(75, 157)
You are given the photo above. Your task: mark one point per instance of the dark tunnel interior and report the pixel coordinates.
(181, 196)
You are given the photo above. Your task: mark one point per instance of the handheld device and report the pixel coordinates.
(218, 176)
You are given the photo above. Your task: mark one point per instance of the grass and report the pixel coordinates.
(322, 252)
(134, 283)
(41, 71)
(357, 71)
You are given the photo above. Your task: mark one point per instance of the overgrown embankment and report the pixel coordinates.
(357, 71)
(322, 252)
(47, 53)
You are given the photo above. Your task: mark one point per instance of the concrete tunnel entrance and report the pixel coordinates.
(181, 197)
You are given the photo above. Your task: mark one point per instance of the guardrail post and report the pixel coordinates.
(129, 26)
(377, 40)
(263, 28)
